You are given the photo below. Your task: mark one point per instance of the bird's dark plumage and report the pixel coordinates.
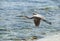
(37, 21)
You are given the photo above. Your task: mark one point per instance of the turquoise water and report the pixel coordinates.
(13, 28)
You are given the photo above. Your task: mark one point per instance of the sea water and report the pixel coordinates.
(13, 28)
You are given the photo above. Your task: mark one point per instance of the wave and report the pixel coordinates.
(51, 38)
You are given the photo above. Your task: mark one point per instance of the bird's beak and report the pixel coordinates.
(23, 16)
(19, 16)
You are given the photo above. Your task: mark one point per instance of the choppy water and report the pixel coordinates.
(13, 28)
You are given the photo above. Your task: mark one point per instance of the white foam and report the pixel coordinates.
(51, 38)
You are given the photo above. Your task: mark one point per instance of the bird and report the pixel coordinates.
(37, 19)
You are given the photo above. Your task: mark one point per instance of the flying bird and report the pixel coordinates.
(37, 19)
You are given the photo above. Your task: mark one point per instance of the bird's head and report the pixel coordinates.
(34, 14)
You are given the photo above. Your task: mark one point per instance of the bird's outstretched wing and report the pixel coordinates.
(25, 17)
(47, 21)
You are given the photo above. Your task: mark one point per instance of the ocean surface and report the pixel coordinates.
(13, 28)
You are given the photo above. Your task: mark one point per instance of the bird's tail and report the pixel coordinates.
(47, 21)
